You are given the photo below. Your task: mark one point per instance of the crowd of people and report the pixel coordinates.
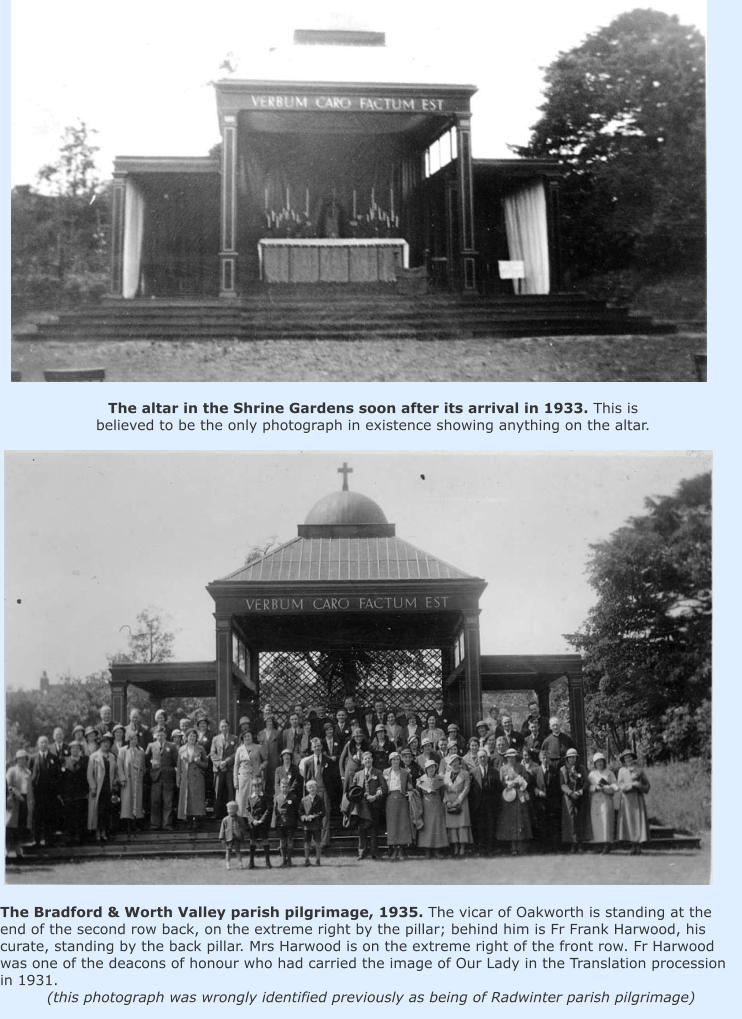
(414, 777)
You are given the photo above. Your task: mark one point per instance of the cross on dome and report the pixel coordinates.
(345, 471)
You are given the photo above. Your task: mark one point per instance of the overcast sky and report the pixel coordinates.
(139, 73)
(92, 538)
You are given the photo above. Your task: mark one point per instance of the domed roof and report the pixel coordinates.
(345, 508)
(345, 514)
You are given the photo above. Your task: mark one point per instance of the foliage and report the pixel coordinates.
(624, 114)
(151, 640)
(680, 794)
(29, 713)
(647, 640)
(60, 232)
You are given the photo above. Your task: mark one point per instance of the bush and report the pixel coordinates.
(680, 794)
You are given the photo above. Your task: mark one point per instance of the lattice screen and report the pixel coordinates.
(401, 678)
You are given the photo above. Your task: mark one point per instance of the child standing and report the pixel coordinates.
(231, 833)
(285, 818)
(312, 811)
(257, 818)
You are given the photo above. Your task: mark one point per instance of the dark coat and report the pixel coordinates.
(311, 812)
(286, 810)
(370, 805)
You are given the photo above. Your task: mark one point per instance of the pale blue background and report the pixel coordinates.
(682, 416)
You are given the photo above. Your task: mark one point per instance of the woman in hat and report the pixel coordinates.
(381, 747)
(514, 819)
(456, 802)
(398, 827)
(130, 765)
(191, 778)
(102, 786)
(204, 737)
(119, 739)
(433, 836)
(575, 802)
(409, 763)
(432, 732)
(249, 763)
(78, 736)
(633, 785)
(602, 787)
(17, 789)
(74, 793)
(91, 741)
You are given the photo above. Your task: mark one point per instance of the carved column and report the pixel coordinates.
(228, 210)
(225, 708)
(467, 254)
(471, 694)
(118, 701)
(554, 233)
(118, 211)
(576, 687)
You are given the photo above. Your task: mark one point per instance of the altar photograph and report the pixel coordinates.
(378, 178)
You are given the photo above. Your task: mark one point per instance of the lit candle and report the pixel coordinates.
(266, 197)
(373, 193)
(354, 203)
(306, 204)
(288, 199)
(391, 201)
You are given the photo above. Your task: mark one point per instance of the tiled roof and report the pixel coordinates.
(307, 559)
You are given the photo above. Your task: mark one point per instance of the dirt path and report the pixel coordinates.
(541, 359)
(673, 867)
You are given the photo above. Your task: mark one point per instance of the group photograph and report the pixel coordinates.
(388, 668)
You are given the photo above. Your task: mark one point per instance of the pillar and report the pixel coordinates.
(118, 209)
(224, 706)
(576, 688)
(118, 701)
(467, 254)
(228, 210)
(554, 234)
(471, 695)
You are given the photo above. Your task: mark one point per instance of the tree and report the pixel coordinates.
(29, 713)
(624, 113)
(60, 233)
(150, 640)
(647, 640)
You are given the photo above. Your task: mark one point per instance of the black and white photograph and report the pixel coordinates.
(327, 191)
(358, 668)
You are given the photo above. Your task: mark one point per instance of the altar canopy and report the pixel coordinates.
(322, 161)
(349, 608)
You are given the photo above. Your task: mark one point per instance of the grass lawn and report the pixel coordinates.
(666, 358)
(671, 867)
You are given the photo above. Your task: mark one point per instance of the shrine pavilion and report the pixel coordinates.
(334, 182)
(349, 608)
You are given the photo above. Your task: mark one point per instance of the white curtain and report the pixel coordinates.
(133, 233)
(528, 239)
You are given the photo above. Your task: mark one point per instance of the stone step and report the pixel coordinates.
(206, 843)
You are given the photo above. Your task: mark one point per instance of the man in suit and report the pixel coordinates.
(58, 746)
(106, 721)
(137, 725)
(319, 767)
(484, 799)
(342, 727)
(368, 805)
(161, 758)
(222, 751)
(514, 738)
(45, 777)
(534, 715)
(295, 738)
